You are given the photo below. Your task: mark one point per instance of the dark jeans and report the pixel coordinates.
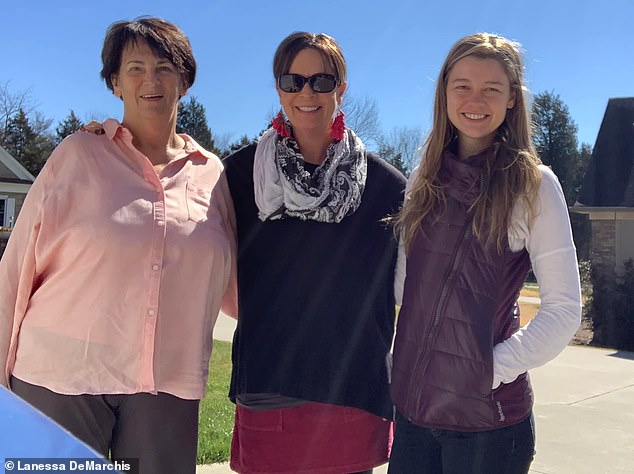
(430, 451)
(161, 431)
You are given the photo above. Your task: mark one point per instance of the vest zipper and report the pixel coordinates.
(423, 362)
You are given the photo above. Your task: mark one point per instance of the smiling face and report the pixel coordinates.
(311, 113)
(478, 96)
(150, 86)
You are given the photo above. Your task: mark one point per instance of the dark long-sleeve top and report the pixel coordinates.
(316, 300)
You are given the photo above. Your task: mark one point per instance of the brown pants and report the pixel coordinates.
(161, 431)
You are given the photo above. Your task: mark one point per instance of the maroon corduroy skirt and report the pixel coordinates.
(311, 438)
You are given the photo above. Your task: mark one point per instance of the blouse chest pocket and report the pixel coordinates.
(197, 200)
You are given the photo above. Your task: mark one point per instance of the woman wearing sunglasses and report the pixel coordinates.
(315, 279)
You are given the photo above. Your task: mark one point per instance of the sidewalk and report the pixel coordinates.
(584, 412)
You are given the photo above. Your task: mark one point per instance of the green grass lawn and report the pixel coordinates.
(216, 411)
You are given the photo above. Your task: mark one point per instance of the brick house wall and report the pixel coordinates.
(603, 245)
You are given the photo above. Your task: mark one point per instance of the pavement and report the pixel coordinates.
(584, 411)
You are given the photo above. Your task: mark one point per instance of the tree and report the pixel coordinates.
(10, 105)
(401, 148)
(235, 146)
(362, 116)
(68, 126)
(581, 227)
(555, 138)
(29, 144)
(24, 132)
(223, 142)
(18, 133)
(192, 120)
(585, 153)
(393, 157)
(40, 124)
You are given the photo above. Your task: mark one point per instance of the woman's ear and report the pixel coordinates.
(183, 89)
(340, 92)
(116, 90)
(511, 103)
(279, 91)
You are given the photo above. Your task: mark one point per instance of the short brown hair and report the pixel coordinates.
(164, 38)
(326, 45)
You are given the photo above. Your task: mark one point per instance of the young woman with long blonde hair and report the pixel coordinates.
(480, 211)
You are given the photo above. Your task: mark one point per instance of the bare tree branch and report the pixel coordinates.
(362, 116)
(402, 145)
(10, 104)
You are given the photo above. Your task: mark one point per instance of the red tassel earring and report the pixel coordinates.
(338, 127)
(280, 126)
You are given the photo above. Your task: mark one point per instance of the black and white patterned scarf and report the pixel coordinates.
(285, 188)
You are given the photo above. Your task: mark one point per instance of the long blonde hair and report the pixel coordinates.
(511, 168)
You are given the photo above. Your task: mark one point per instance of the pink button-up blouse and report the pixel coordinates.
(113, 276)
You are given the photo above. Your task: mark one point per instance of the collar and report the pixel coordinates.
(462, 178)
(113, 127)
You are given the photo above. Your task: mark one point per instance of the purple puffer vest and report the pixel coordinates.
(459, 301)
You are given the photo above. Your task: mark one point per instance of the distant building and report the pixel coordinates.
(607, 193)
(15, 182)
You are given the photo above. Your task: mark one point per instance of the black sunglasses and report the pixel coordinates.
(322, 82)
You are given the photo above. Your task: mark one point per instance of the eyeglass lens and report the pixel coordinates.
(321, 83)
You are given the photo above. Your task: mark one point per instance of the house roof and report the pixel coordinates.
(609, 178)
(12, 171)
(15, 180)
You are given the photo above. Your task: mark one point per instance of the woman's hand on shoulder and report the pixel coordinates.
(93, 127)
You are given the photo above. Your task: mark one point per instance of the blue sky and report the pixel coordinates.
(581, 50)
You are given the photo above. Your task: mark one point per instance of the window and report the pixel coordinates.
(7, 206)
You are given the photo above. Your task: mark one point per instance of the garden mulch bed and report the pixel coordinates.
(583, 336)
